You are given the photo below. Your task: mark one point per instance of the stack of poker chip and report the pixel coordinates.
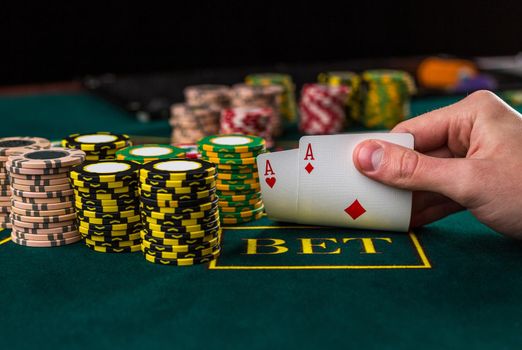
(287, 108)
(190, 123)
(269, 96)
(237, 185)
(107, 205)
(11, 146)
(43, 212)
(248, 121)
(386, 98)
(353, 99)
(215, 97)
(322, 109)
(98, 145)
(146, 153)
(179, 212)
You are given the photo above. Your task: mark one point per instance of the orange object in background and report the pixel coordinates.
(444, 73)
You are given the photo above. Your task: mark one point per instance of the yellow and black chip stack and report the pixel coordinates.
(237, 180)
(107, 205)
(98, 145)
(179, 212)
(385, 98)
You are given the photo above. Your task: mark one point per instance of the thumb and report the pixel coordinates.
(404, 168)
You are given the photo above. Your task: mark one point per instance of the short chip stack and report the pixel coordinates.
(237, 180)
(386, 98)
(42, 197)
(11, 146)
(288, 107)
(322, 109)
(190, 123)
(99, 145)
(147, 153)
(179, 212)
(269, 96)
(255, 121)
(211, 96)
(107, 205)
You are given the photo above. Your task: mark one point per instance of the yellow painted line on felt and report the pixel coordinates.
(319, 267)
(420, 250)
(4, 241)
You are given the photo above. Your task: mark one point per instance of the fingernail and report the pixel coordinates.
(370, 156)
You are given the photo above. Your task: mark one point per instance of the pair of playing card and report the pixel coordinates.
(318, 184)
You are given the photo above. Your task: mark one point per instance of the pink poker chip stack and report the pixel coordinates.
(249, 121)
(322, 109)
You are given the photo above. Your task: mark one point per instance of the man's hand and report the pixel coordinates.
(468, 155)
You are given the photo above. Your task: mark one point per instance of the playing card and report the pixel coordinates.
(332, 192)
(278, 179)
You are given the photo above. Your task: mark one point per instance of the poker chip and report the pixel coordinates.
(237, 181)
(107, 204)
(97, 144)
(179, 245)
(180, 255)
(190, 123)
(168, 240)
(112, 239)
(12, 145)
(54, 242)
(322, 109)
(190, 149)
(178, 201)
(183, 261)
(385, 98)
(42, 210)
(101, 249)
(231, 143)
(47, 158)
(146, 153)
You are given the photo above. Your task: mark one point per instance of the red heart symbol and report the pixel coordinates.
(270, 181)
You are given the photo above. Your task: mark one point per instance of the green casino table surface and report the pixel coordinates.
(451, 284)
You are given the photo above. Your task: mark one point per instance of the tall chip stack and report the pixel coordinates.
(179, 212)
(190, 123)
(386, 98)
(288, 106)
(269, 96)
(237, 185)
(322, 109)
(98, 145)
(107, 204)
(11, 146)
(353, 100)
(43, 212)
(146, 153)
(256, 121)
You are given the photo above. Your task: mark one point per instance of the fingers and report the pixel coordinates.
(404, 168)
(449, 125)
(434, 213)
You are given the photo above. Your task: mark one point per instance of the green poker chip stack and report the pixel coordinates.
(237, 182)
(385, 98)
(147, 153)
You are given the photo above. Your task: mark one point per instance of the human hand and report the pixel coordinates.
(467, 156)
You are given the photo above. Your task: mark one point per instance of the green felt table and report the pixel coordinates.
(451, 284)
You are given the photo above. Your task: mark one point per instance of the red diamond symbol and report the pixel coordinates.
(309, 167)
(355, 209)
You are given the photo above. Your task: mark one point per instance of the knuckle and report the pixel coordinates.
(400, 167)
(408, 164)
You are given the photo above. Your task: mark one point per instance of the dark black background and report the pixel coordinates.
(45, 42)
